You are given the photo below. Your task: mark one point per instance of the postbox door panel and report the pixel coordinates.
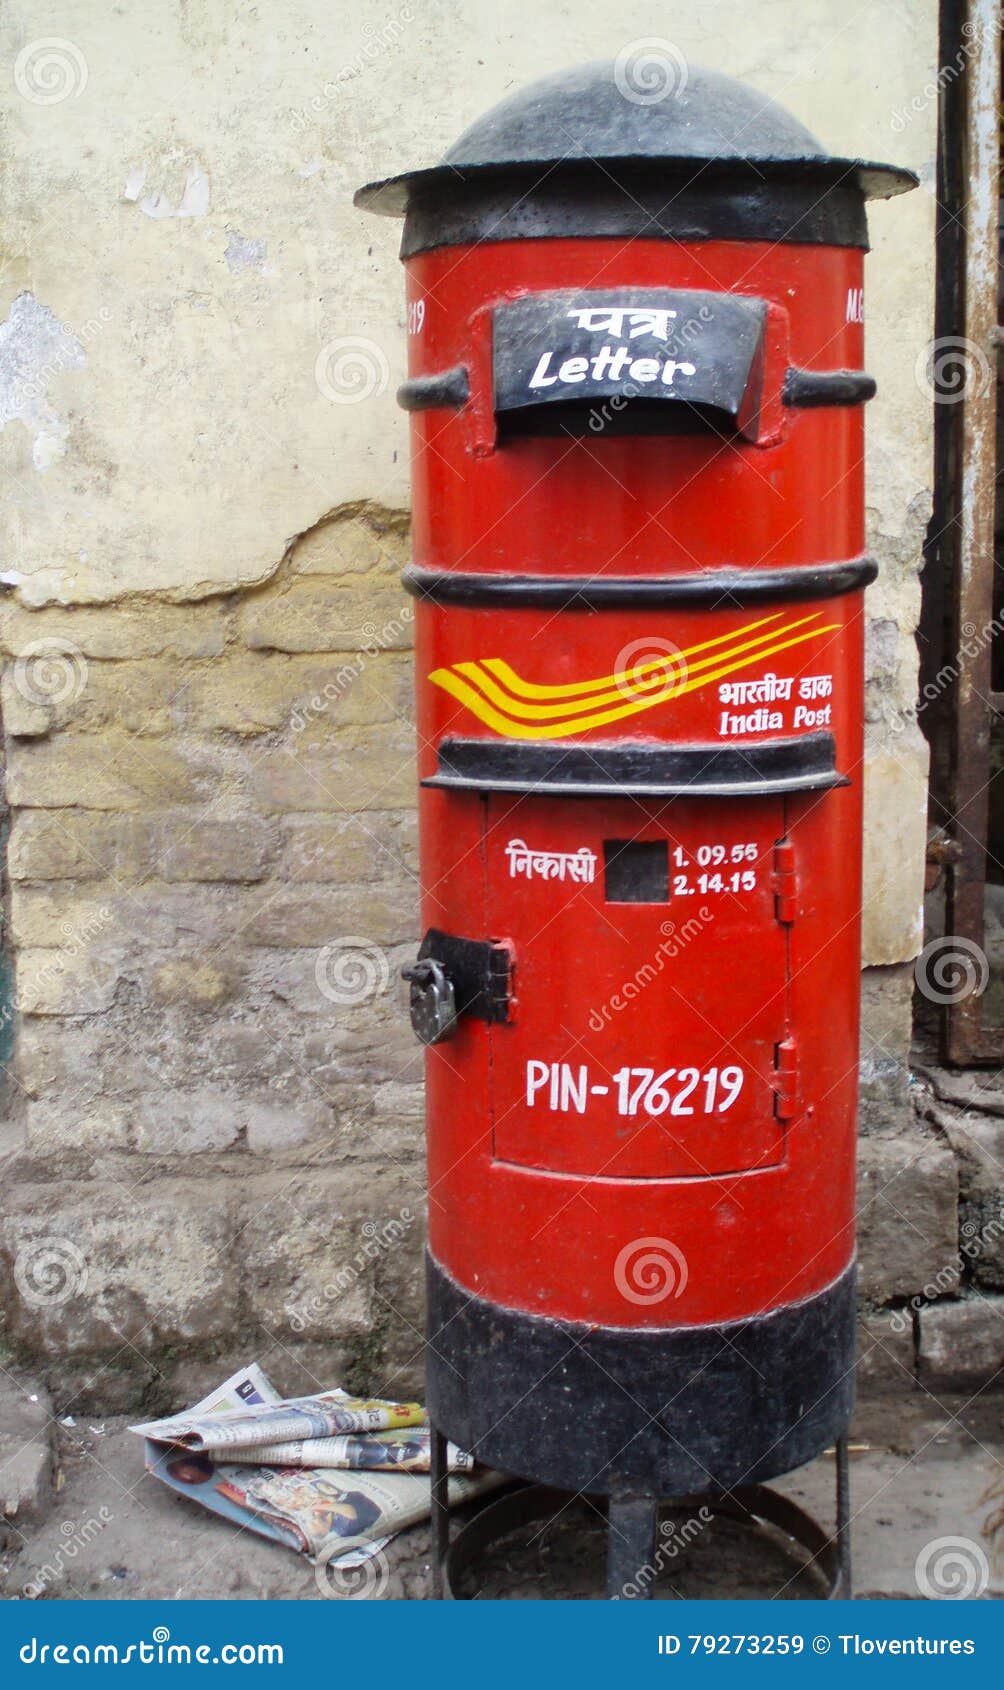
(650, 985)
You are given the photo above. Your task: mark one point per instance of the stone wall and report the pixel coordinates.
(215, 1125)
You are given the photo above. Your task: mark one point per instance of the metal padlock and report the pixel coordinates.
(433, 1002)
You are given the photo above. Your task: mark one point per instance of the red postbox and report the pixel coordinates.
(636, 346)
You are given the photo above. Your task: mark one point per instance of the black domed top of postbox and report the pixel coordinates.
(650, 147)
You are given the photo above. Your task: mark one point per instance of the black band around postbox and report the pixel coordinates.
(703, 589)
(804, 763)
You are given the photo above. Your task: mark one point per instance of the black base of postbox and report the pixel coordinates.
(662, 1412)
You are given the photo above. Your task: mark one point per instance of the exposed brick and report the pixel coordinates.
(978, 1142)
(961, 1344)
(120, 773)
(112, 1266)
(27, 1463)
(352, 779)
(886, 1031)
(328, 616)
(77, 845)
(124, 633)
(885, 1359)
(303, 1257)
(195, 981)
(242, 692)
(238, 848)
(907, 1217)
(22, 719)
(53, 1128)
(52, 982)
(141, 920)
(340, 849)
(324, 915)
(348, 691)
(53, 1060)
(354, 543)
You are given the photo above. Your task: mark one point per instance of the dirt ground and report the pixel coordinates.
(920, 1472)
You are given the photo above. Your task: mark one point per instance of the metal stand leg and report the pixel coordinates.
(843, 1518)
(631, 1525)
(440, 1511)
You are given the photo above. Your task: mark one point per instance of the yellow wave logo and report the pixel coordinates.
(520, 709)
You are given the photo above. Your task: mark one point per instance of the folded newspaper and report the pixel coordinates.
(273, 1464)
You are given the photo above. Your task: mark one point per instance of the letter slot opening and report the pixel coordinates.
(635, 361)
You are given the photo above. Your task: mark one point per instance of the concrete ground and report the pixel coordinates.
(921, 1471)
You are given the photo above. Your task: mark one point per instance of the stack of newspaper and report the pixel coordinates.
(281, 1466)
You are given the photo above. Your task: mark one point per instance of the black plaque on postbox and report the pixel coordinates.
(628, 360)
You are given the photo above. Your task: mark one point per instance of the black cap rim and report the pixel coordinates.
(391, 196)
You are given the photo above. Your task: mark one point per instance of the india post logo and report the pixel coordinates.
(517, 709)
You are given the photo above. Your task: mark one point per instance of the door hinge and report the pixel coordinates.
(785, 1080)
(784, 881)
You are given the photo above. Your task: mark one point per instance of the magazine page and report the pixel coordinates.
(308, 1509)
